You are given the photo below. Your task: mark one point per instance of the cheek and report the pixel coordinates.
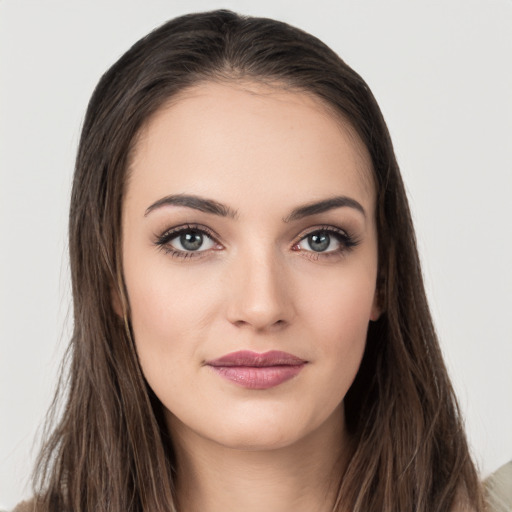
(172, 310)
(341, 305)
(167, 297)
(166, 333)
(337, 321)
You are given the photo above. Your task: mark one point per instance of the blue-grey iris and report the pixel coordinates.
(191, 241)
(319, 241)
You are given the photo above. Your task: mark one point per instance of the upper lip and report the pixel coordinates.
(254, 359)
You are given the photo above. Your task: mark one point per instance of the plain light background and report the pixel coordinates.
(442, 73)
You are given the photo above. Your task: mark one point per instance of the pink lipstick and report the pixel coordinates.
(257, 371)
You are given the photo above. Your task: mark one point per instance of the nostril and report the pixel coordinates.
(271, 325)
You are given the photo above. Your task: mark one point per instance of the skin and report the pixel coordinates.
(256, 284)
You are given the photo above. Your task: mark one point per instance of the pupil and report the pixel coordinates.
(319, 241)
(191, 241)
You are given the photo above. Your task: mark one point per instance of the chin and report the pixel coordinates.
(264, 430)
(258, 439)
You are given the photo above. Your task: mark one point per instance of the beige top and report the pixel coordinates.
(498, 488)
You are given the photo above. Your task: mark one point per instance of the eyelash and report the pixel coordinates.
(346, 241)
(163, 240)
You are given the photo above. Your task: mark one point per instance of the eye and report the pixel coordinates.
(326, 240)
(186, 241)
(321, 241)
(192, 240)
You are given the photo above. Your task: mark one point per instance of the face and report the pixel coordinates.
(250, 261)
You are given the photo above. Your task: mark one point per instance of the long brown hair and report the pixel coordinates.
(110, 451)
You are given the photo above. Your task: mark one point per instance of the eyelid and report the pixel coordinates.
(176, 230)
(346, 240)
(162, 240)
(325, 228)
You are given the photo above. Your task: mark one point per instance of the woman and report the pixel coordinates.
(251, 329)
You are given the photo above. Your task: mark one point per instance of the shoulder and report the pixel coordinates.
(498, 489)
(25, 506)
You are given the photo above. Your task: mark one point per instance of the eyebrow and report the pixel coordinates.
(210, 206)
(324, 206)
(195, 202)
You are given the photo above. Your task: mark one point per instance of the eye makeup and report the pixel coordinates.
(188, 241)
(196, 241)
(325, 241)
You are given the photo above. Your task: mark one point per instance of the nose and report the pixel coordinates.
(261, 292)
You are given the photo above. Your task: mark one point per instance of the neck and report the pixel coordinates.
(303, 476)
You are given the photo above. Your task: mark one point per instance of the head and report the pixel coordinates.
(219, 48)
(400, 372)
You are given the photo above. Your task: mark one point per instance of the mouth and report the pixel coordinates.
(252, 370)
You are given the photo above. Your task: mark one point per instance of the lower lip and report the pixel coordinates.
(252, 377)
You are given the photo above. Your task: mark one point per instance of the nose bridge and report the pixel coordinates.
(260, 294)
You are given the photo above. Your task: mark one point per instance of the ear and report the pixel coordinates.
(376, 310)
(378, 301)
(116, 302)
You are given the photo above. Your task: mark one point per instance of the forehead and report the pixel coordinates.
(225, 138)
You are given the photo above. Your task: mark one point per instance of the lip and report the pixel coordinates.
(252, 370)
